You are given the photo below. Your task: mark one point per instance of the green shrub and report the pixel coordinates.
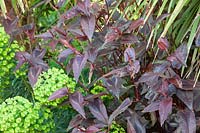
(50, 81)
(116, 128)
(19, 115)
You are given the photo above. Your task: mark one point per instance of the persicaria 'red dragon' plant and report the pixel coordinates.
(117, 53)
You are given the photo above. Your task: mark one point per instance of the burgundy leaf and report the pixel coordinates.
(128, 39)
(178, 57)
(129, 54)
(130, 128)
(186, 97)
(176, 80)
(59, 94)
(135, 124)
(113, 34)
(46, 35)
(77, 130)
(148, 76)
(135, 24)
(75, 122)
(53, 44)
(69, 14)
(83, 7)
(77, 101)
(163, 44)
(164, 87)
(10, 25)
(152, 107)
(160, 18)
(33, 74)
(92, 54)
(187, 121)
(114, 86)
(92, 129)
(98, 109)
(22, 58)
(165, 108)
(124, 105)
(88, 25)
(64, 54)
(78, 64)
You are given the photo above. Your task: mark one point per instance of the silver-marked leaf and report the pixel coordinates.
(187, 121)
(98, 109)
(186, 97)
(152, 107)
(165, 108)
(124, 105)
(88, 25)
(129, 54)
(58, 94)
(33, 74)
(77, 101)
(78, 64)
(64, 54)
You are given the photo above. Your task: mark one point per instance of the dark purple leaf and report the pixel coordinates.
(46, 35)
(53, 44)
(78, 64)
(92, 54)
(187, 121)
(113, 34)
(160, 18)
(154, 106)
(59, 94)
(114, 86)
(164, 87)
(163, 44)
(176, 80)
(128, 39)
(77, 102)
(124, 105)
(161, 68)
(189, 85)
(83, 7)
(10, 25)
(135, 124)
(64, 54)
(178, 57)
(77, 130)
(21, 57)
(196, 99)
(129, 54)
(92, 129)
(165, 108)
(197, 41)
(186, 97)
(75, 122)
(130, 128)
(33, 74)
(69, 14)
(135, 24)
(88, 25)
(148, 76)
(38, 53)
(98, 109)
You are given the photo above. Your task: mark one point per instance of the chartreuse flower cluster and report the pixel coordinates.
(116, 128)
(19, 115)
(97, 89)
(7, 58)
(50, 81)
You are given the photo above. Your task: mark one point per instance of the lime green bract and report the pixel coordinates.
(7, 59)
(19, 115)
(50, 81)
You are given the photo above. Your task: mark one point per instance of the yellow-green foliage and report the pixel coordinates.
(7, 59)
(19, 115)
(116, 128)
(50, 81)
